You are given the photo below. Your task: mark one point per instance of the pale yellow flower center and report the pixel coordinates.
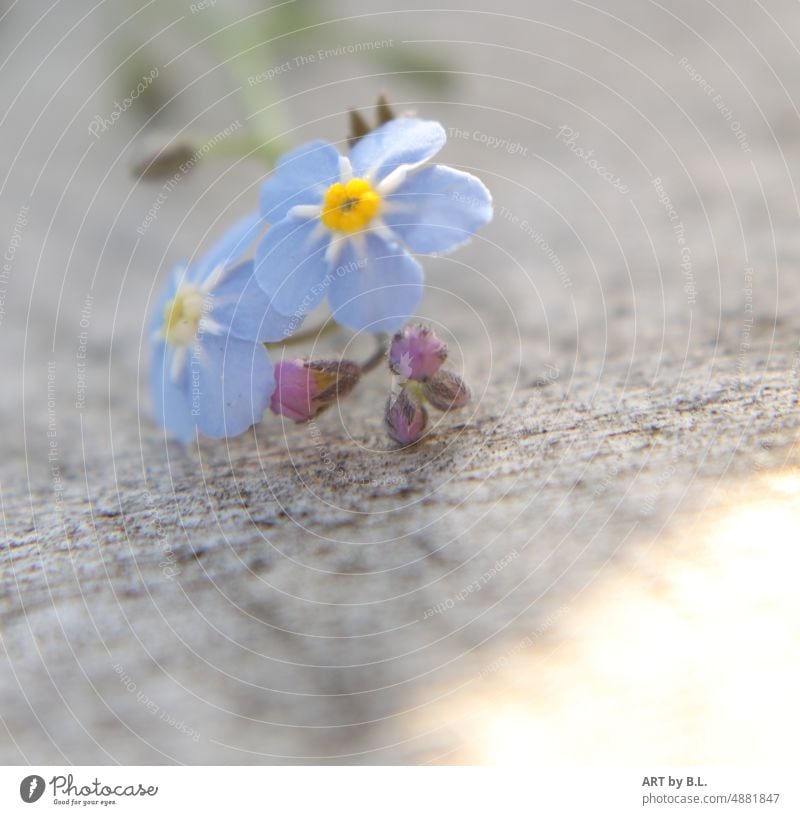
(182, 315)
(350, 207)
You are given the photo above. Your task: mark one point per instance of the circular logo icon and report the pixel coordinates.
(31, 788)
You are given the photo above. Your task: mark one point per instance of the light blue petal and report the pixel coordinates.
(379, 294)
(228, 249)
(171, 405)
(291, 266)
(401, 141)
(300, 177)
(230, 383)
(239, 304)
(437, 209)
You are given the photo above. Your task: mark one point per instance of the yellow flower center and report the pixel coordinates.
(182, 315)
(350, 207)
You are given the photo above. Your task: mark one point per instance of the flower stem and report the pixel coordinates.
(378, 355)
(372, 362)
(251, 146)
(304, 336)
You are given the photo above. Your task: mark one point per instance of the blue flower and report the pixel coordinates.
(345, 226)
(209, 371)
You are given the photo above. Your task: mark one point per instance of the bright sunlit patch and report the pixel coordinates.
(692, 659)
(512, 738)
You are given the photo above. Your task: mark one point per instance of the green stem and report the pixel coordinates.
(246, 55)
(252, 146)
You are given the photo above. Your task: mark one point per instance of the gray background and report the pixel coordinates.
(240, 603)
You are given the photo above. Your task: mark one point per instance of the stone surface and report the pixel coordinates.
(311, 594)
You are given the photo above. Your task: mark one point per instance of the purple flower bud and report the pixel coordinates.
(305, 388)
(416, 353)
(405, 418)
(446, 391)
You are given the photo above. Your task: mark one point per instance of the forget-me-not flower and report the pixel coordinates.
(209, 371)
(345, 226)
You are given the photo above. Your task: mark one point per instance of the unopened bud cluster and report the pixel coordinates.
(416, 355)
(304, 388)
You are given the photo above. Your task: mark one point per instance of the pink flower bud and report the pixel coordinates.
(405, 418)
(416, 353)
(305, 388)
(446, 391)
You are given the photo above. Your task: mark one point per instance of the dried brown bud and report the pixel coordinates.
(160, 158)
(384, 112)
(358, 127)
(446, 391)
(335, 378)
